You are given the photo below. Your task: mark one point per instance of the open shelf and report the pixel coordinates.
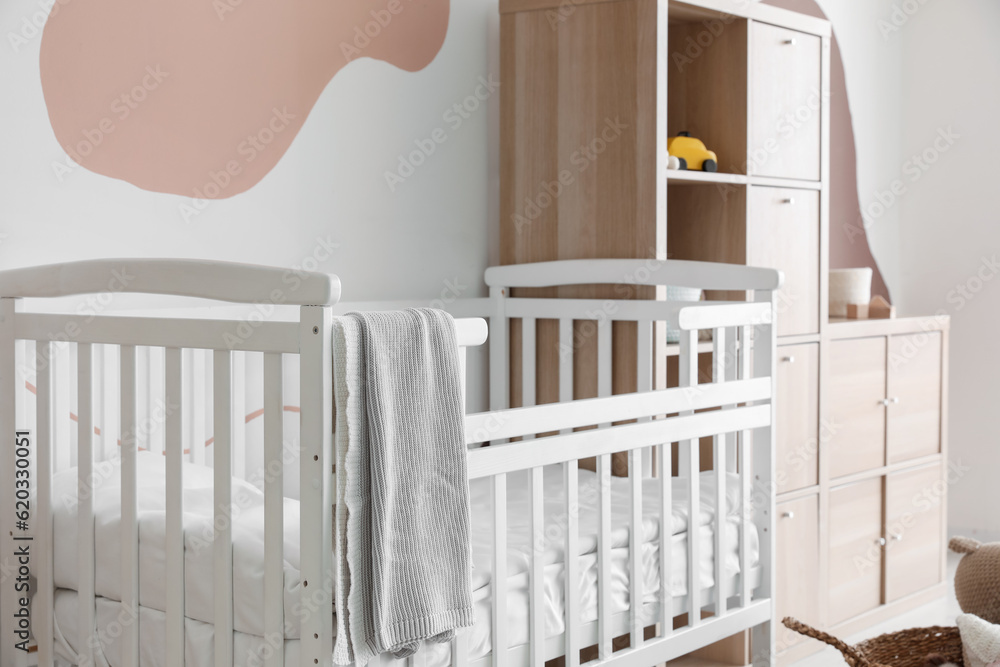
(684, 177)
(707, 84)
(686, 12)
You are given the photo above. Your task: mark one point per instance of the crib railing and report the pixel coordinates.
(100, 343)
(734, 406)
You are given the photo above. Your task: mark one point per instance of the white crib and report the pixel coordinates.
(200, 366)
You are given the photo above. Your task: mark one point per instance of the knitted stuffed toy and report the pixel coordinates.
(977, 581)
(980, 641)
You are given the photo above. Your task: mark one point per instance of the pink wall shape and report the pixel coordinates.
(202, 98)
(848, 239)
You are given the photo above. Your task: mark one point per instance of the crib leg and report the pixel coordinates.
(762, 642)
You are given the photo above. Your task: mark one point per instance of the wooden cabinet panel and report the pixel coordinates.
(856, 552)
(914, 531)
(914, 414)
(797, 559)
(856, 412)
(786, 109)
(797, 417)
(783, 233)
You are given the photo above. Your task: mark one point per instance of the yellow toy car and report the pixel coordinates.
(692, 153)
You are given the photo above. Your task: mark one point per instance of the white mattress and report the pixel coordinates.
(248, 562)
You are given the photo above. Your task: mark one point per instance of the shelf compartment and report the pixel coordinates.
(684, 177)
(707, 81)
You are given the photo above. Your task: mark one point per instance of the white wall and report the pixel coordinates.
(872, 63)
(915, 70)
(950, 235)
(411, 243)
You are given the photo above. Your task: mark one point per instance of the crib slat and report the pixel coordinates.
(604, 339)
(460, 649)
(635, 572)
(74, 402)
(109, 403)
(644, 374)
(174, 650)
(199, 378)
(85, 496)
(46, 587)
(155, 398)
(61, 424)
(239, 397)
(499, 583)
(274, 509)
(732, 369)
(689, 455)
(573, 641)
(223, 532)
(130, 520)
(604, 582)
(528, 331)
(719, 460)
(536, 603)
(565, 362)
(745, 477)
(665, 465)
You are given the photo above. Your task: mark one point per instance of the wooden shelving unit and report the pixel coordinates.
(751, 81)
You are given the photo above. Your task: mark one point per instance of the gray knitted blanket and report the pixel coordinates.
(404, 563)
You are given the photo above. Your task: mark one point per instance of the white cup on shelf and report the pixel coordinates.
(849, 286)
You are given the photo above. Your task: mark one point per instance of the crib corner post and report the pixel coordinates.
(8, 413)
(316, 469)
(499, 348)
(764, 636)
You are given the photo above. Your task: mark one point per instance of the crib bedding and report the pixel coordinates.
(248, 567)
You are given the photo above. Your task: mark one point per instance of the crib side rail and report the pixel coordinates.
(203, 279)
(733, 408)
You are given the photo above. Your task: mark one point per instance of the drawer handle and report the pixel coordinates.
(790, 41)
(790, 200)
(788, 515)
(789, 359)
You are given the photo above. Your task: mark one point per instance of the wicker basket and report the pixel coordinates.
(906, 648)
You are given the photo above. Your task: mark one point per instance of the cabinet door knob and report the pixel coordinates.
(880, 541)
(788, 515)
(789, 359)
(885, 402)
(790, 200)
(898, 537)
(791, 41)
(895, 400)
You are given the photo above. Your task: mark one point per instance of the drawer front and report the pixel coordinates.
(856, 411)
(856, 552)
(914, 553)
(914, 414)
(786, 111)
(797, 420)
(784, 234)
(797, 564)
